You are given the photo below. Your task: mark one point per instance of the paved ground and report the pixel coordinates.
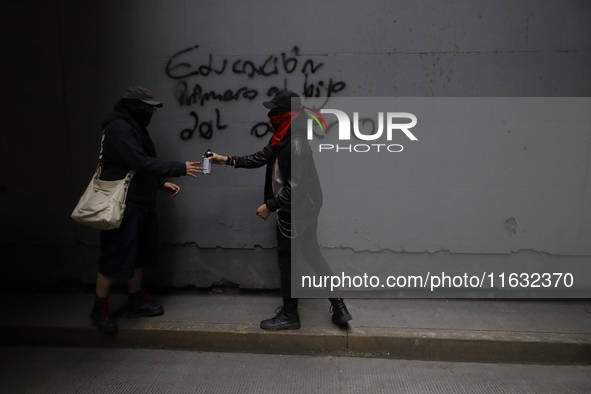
(525, 331)
(82, 370)
(567, 316)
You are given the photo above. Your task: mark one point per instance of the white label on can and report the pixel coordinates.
(206, 166)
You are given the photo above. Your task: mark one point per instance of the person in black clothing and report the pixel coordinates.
(126, 145)
(290, 184)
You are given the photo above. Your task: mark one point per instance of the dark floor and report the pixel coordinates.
(82, 370)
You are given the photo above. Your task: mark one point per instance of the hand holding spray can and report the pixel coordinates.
(206, 164)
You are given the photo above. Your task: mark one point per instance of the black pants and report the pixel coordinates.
(133, 245)
(307, 243)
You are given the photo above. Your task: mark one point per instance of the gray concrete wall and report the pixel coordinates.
(66, 62)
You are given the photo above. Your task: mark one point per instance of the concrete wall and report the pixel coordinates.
(66, 62)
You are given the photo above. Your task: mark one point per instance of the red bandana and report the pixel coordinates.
(281, 124)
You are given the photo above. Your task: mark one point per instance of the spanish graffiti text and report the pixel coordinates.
(197, 86)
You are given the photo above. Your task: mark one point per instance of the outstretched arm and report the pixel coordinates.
(256, 160)
(130, 150)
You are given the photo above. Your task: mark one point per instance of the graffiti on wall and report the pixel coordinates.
(194, 90)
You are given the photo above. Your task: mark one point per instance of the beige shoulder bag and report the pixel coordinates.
(103, 203)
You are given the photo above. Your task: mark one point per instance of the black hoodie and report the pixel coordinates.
(128, 146)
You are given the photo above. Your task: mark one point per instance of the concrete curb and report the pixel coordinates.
(378, 342)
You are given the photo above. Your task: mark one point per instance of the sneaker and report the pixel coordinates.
(140, 307)
(101, 317)
(287, 318)
(340, 314)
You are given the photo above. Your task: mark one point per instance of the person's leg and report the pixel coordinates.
(103, 285)
(139, 306)
(287, 317)
(311, 252)
(145, 256)
(284, 260)
(101, 314)
(135, 283)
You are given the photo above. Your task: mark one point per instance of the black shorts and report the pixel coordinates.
(133, 245)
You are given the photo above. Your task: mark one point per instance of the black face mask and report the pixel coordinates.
(141, 116)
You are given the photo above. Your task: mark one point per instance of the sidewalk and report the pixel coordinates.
(501, 331)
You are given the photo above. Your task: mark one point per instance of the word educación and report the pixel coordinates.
(345, 132)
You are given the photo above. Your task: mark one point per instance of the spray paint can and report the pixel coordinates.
(206, 164)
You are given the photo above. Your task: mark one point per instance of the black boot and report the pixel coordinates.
(287, 319)
(340, 314)
(140, 307)
(101, 316)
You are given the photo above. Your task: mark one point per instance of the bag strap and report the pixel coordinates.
(97, 172)
(126, 180)
(99, 169)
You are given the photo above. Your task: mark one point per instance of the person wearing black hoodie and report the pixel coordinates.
(291, 180)
(126, 145)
